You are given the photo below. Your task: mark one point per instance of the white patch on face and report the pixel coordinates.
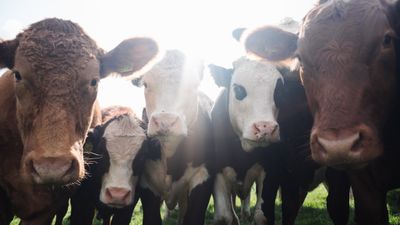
(124, 138)
(171, 93)
(259, 79)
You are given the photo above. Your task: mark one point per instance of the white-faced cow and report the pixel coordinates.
(261, 123)
(348, 61)
(47, 102)
(181, 172)
(119, 148)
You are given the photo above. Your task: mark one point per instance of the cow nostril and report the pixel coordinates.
(73, 167)
(356, 147)
(274, 128)
(32, 169)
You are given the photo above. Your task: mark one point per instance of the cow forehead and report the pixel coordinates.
(57, 47)
(124, 126)
(254, 72)
(175, 67)
(342, 27)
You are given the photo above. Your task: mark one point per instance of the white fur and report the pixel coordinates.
(124, 138)
(172, 87)
(259, 78)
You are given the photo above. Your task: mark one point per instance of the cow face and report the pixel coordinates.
(122, 140)
(171, 94)
(253, 87)
(348, 67)
(56, 69)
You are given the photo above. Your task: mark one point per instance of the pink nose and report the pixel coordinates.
(344, 147)
(53, 170)
(120, 196)
(164, 123)
(266, 130)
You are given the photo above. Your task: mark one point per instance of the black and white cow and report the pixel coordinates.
(261, 124)
(115, 164)
(181, 173)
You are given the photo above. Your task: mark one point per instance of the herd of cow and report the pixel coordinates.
(315, 104)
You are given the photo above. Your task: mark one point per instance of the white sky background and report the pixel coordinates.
(202, 28)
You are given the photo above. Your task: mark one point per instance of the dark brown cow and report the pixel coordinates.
(47, 105)
(348, 63)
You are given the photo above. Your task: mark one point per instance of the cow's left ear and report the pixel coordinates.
(271, 43)
(222, 76)
(393, 14)
(7, 53)
(237, 33)
(129, 56)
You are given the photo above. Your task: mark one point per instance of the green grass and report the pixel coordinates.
(313, 211)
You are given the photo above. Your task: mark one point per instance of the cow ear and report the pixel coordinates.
(7, 53)
(237, 33)
(393, 13)
(137, 81)
(129, 56)
(271, 43)
(144, 116)
(222, 76)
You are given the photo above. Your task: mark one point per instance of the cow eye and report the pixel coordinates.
(93, 82)
(17, 76)
(240, 92)
(387, 41)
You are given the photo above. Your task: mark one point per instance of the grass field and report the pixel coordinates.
(313, 211)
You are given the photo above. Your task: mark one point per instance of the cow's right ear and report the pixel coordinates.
(237, 33)
(7, 53)
(222, 76)
(271, 43)
(129, 56)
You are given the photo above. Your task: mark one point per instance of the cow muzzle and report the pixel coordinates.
(117, 197)
(166, 124)
(53, 170)
(345, 148)
(260, 134)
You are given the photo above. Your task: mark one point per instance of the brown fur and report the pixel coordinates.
(48, 103)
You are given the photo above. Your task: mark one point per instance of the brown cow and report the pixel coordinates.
(47, 106)
(347, 52)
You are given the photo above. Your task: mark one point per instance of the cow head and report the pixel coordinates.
(171, 94)
(121, 143)
(56, 69)
(347, 63)
(252, 85)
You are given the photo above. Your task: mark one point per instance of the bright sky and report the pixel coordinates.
(202, 28)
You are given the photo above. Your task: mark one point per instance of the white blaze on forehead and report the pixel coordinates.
(172, 85)
(259, 79)
(124, 138)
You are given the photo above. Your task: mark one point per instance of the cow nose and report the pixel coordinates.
(118, 196)
(164, 123)
(339, 145)
(53, 170)
(343, 147)
(266, 129)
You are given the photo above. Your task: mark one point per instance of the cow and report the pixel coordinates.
(282, 163)
(48, 101)
(119, 148)
(347, 54)
(178, 115)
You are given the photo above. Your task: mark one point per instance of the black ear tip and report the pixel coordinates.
(136, 81)
(237, 33)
